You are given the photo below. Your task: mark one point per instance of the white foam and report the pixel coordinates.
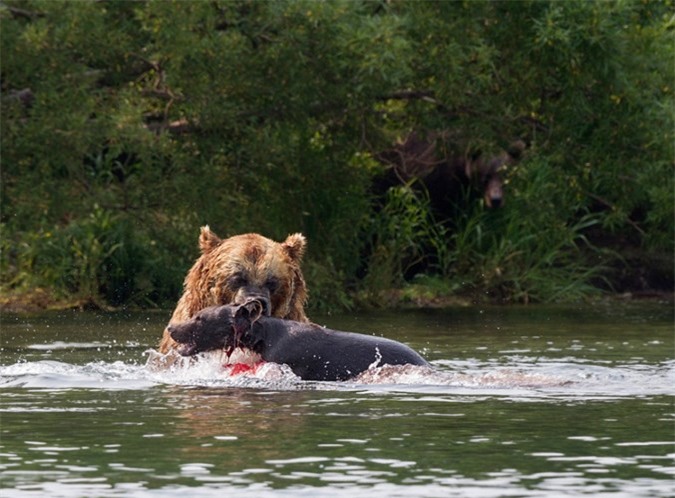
(545, 378)
(47, 374)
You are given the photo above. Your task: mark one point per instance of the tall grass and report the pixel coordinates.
(532, 250)
(399, 235)
(98, 260)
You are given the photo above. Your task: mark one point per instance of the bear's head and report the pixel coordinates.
(249, 266)
(240, 268)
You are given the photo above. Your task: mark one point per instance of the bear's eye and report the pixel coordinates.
(272, 284)
(237, 280)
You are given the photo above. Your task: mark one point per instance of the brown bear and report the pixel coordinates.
(426, 161)
(240, 268)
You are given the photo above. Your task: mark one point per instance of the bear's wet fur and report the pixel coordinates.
(240, 268)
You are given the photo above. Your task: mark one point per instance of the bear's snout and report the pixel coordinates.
(494, 202)
(494, 194)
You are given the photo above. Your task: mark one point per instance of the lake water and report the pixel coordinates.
(521, 401)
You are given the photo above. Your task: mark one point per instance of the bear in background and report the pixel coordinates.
(238, 269)
(425, 161)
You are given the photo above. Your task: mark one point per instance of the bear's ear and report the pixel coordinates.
(208, 240)
(294, 245)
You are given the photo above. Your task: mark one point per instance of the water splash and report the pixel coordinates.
(552, 378)
(49, 374)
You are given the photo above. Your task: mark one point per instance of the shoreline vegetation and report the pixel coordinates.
(125, 126)
(39, 300)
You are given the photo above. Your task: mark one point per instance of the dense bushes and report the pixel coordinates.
(127, 125)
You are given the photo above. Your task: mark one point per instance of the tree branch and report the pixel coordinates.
(22, 13)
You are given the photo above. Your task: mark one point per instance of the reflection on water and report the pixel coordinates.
(519, 402)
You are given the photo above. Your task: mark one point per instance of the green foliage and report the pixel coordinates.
(144, 120)
(93, 260)
(527, 254)
(514, 254)
(400, 233)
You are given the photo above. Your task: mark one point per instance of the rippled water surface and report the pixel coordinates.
(535, 401)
